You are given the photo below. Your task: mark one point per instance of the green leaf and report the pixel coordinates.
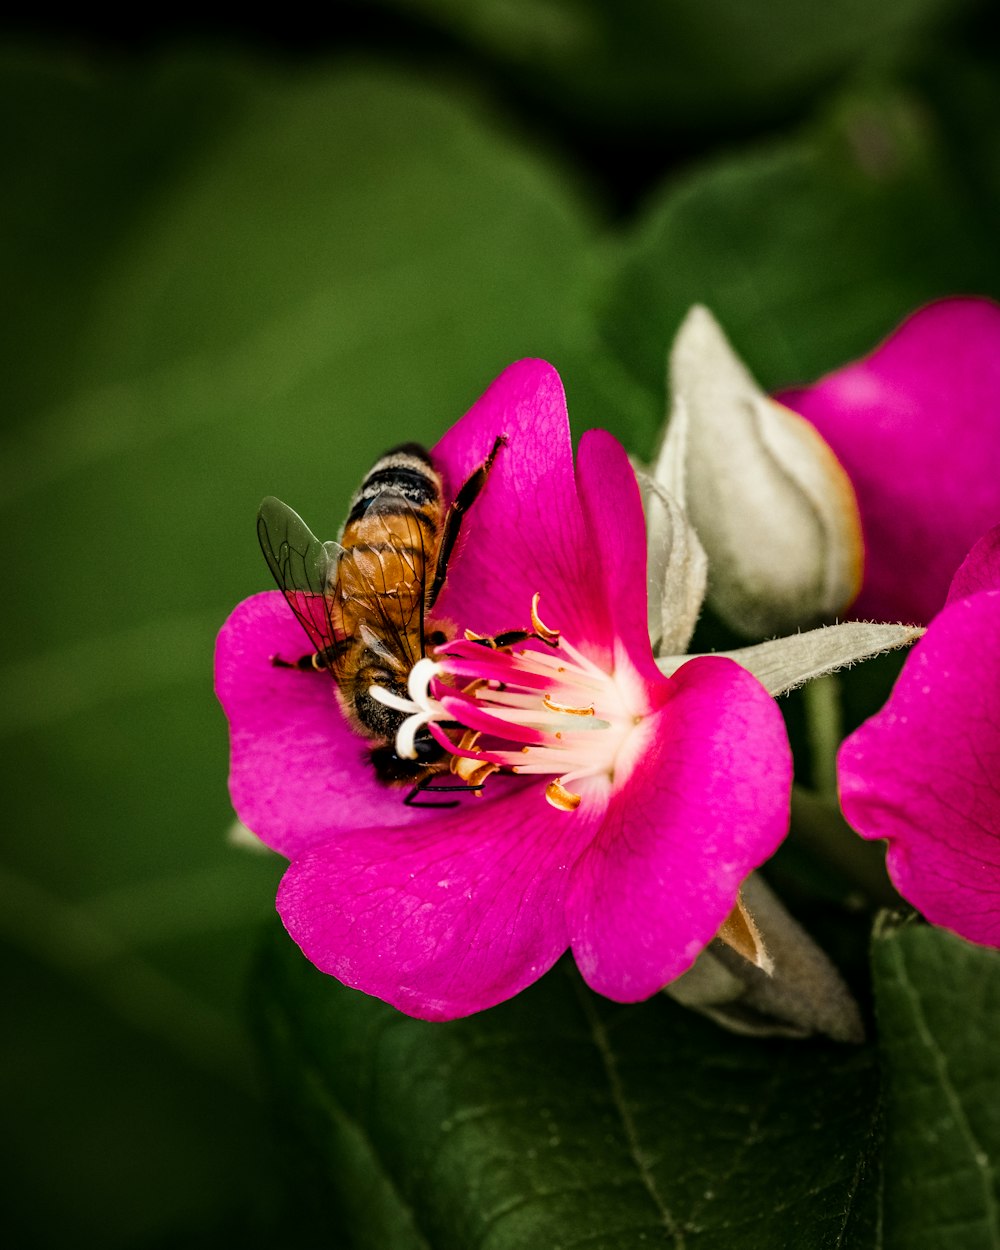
(688, 65)
(808, 250)
(562, 1120)
(938, 1003)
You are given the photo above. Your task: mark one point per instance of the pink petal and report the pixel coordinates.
(925, 772)
(445, 919)
(980, 570)
(298, 773)
(916, 426)
(612, 505)
(706, 804)
(525, 533)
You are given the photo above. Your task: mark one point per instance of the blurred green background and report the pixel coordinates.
(243, 261)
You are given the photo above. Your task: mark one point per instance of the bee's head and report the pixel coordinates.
(391, 767)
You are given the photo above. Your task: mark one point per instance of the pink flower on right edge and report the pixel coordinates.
(916, 425)
(924, 772)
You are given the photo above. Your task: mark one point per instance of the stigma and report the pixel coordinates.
(529, 703)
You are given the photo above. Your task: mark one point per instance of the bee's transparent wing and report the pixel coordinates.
(304, 568)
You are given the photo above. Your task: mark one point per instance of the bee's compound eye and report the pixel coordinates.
(426, 748)
(391, 768)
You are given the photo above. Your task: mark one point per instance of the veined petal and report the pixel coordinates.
(706, 803)
(445, 919)
(924, 772)
(612, 505)
(915, 426)
(525, 533)
(298, 773)
(980, 570)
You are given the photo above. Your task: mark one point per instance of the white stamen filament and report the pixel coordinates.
(406, 736)
(421, 707)
(381, 695)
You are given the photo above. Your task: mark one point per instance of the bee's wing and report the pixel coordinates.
(383, 585)
(304, 568)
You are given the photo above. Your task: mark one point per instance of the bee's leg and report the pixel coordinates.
(512, 636)
(464, 500)
(412, 800)
(425, 787)
(320, 661)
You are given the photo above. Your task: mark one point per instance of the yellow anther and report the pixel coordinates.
(472, 772)
(538, 625)
(561, 798)
(553, 706)
(468, 740)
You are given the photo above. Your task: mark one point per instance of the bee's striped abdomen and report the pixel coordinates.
(390, 542)
(404, 473)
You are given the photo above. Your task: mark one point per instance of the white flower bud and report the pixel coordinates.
(778, 984)
(676, 565)
(774, 509)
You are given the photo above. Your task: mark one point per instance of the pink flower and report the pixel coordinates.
(924, 772)
(640, 803)
(917, 426)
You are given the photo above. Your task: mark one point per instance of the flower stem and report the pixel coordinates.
(817, 822)
(824, 728)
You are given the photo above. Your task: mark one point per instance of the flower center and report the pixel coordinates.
(528, 703)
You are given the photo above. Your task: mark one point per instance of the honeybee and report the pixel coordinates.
(364, 600)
